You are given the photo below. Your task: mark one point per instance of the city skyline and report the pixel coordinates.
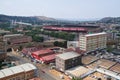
(72, 9)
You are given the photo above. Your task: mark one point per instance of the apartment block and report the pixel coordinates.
(67, 60)
(94, 41)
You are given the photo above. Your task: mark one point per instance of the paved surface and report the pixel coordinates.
(43, 70)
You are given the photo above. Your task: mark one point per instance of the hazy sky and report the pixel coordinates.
(78, 9)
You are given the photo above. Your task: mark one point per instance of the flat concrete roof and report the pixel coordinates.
(3, 31)
(77, 71)
(12, 35)
(68, 55)
(95, 34)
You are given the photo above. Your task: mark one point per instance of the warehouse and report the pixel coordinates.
(44, 55)
(22, 72)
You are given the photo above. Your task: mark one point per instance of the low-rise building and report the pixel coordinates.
(17, 38)
(72, 44)
(44, 55)
(67, 60)
(22, 72)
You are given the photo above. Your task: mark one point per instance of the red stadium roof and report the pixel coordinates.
(65, 28)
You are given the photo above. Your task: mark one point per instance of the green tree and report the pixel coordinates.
(38, 39)
(74, 78)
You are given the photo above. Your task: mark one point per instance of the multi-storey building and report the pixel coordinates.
(91, 42)
(21, 72)
(67, 60)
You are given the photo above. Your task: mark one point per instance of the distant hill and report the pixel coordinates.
(110, 20)
(45, 18)
(31, 19)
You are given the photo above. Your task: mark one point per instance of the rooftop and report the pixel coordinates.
(16, 69)
(12, 35)
(77, 71)
(95, 34)
(3, 31)
(1, 74)
(89, 59)
(68, 55)
(48, 57)
(28, 67)
(116, 68)
(102, 63)
(35, 79)
(43, 51)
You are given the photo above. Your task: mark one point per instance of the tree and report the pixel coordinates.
(61, 44)
(74, 78)
(38, 39)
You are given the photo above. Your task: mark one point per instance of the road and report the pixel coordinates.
(43, 70)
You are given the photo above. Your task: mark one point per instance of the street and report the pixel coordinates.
(43, 70)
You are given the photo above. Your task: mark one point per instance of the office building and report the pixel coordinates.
(67, 60)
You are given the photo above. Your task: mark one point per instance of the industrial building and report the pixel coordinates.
(90, 42)
(22, 72)
(13, 38)
(44, 55)
(67, 60)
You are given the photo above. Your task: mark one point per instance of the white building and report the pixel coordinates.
(72, 44)
(94, 41)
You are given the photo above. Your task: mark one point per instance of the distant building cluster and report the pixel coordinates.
(17, 38)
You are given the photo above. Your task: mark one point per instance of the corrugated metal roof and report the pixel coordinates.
(28, 67)
(44, 51)
(17, 69)
(7, 72)
(49, 57)
(68, 55)
(1, 74)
